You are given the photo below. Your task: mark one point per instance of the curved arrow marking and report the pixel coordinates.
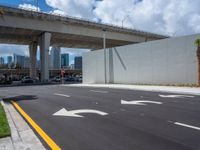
(139, 102)
(75, 113)
(176, 96)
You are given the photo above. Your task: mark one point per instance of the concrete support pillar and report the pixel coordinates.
(33, 52)
(44, 56)
(104, 47)
(111, 66)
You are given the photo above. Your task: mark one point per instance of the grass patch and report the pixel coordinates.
(4, 127)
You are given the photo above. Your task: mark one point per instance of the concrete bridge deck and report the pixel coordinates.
(18, 26)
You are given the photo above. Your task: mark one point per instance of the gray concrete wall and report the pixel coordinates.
(168, 61)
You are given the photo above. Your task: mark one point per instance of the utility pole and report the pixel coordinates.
(104, 47)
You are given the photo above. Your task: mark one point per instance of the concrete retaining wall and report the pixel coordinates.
(168, 61)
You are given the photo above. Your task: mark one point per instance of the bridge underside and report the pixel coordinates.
(26, 36)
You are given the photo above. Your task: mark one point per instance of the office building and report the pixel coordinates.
(26, 62)
(55, 58)
(64, 60)
(19, 60)
(9, 59)
(78, 63)
(1, 60)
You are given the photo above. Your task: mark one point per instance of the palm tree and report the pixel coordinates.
(197, 43)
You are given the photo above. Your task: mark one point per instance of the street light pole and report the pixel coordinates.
(104, 47)
(37, 5)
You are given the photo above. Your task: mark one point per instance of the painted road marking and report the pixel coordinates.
(74, 113)
(99, 91)
(176, 96)
(186, 125)
(44, 136)
(61, 95)
(139, 102)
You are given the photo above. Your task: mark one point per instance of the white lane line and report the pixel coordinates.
(3, 90)
(186, 125)
(61, 95)
(99, 91)
(176, 96)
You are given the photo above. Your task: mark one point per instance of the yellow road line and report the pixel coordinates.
(46, 138)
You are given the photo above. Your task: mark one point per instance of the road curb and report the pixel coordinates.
(170, 89)
(22, 136)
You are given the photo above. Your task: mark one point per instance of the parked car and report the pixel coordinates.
(27, 79)
(80, 79)
(56, 79)
(5, 81)
(69, 79)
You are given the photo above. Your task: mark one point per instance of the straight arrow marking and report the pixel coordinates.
(176, 96)
(75, 113)
(139, 102)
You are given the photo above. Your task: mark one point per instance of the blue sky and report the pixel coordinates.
(168, 17)
(16, 3)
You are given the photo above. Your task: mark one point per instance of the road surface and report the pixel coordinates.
(80, 118)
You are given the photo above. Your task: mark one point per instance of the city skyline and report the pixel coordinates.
(56, 60)
(72, 55)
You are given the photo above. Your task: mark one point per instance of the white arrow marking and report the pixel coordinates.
(61, 95)
(139, 102)
(176, 96)
(186, 125)
(74, 113)
(99, 91)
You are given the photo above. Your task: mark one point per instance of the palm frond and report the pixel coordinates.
(197, 42)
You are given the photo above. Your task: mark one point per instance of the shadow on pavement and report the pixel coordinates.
(20, 98)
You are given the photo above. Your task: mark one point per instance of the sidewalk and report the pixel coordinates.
(169, 89)
(22, 136)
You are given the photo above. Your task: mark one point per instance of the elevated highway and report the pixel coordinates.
(18, 26)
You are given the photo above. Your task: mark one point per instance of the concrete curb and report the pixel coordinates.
(167, 89)
(22, 136)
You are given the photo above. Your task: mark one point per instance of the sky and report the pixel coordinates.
(167, 17)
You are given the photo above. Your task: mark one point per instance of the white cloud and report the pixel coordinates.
(194, 23)
(58, 12)
(73, 51)
(171, 17)
(29, 7)
(160, 16)
(77, 8)
(6, 49)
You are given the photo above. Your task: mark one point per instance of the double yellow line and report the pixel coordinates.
(44, 136)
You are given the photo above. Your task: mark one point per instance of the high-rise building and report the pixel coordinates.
(1, 60)
(19, 60)
(55, 58)
(64, 60)
(9, 59)
(71, 66)
(78, 63)
(26, 62)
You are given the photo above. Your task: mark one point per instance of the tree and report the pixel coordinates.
(197, 43)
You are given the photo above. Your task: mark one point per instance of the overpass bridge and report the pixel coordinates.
(18, 26)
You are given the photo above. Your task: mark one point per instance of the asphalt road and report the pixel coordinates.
(168, 123)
